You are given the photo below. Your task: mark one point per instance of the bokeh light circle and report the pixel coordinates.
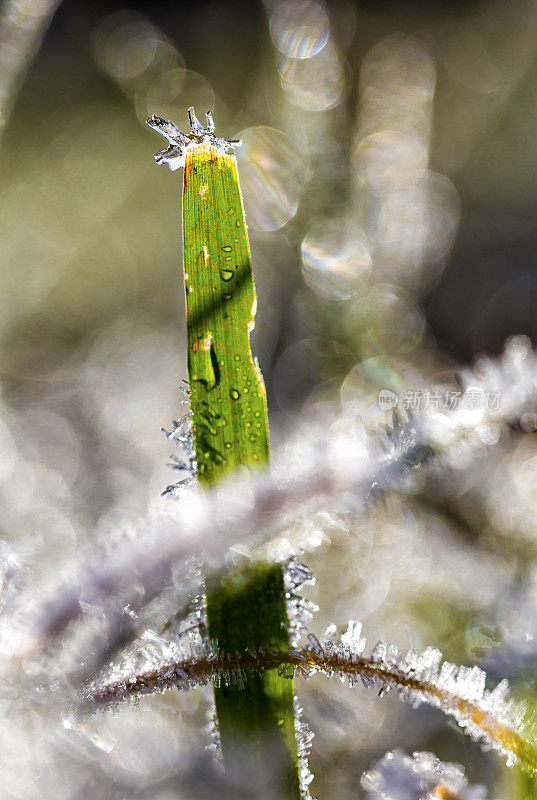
(299, 29)
(388, 159)
(335, 258)
(273, 172)
(384, 319)
(125, 44)
(315, 84)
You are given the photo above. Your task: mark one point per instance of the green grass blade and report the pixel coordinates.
(246, 610)
(227, 392)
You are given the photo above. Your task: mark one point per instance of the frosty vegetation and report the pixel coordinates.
(419, 777)
(105, 662)
(113, 631)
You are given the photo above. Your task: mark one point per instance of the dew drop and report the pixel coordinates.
(237, 357)
(227, 258)
(228, 445)
(234, 394)
(226, 274)
(238, 223)
(227, 248)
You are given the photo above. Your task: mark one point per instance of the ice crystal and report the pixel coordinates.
(182, 639)
(299, 610)
(351, 640)
(304, 737)
(213, 733)
(182, 433)
(421, 776)
(174, 155)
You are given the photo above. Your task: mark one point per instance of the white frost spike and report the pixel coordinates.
(471, 683)
(297, 575)
(299, 610)
(304, 738)
(167, 129)
(352, 639)
(195, 125)
(380, 652)
(210, 121)
(313, 640)
(213, 732)
(183, 435)
(498, 696)
(418, 777)
(174, 154)
(427, 665)
(328, 635)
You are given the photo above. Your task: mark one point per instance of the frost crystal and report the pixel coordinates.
(420, 777)
(152, 662)
(299, 610)
(182, 434)
(304, 738)
(174, 154)
(351, 640)
(213, 732)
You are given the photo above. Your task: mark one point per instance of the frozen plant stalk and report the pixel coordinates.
(246, 610)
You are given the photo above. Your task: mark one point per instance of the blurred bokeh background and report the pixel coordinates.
(388, 166)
